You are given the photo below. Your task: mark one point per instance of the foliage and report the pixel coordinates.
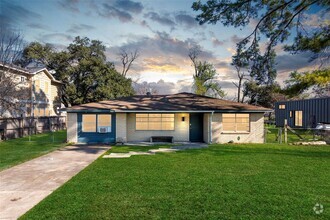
(298, 83)
(264, 95)
(16, 151)
(275, 20)
(83, 69)
(227, 181)
(12, 89)
(204, 77)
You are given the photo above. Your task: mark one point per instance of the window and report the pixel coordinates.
(281, 107)
(236, 122)
(37, 85)
(88, 123)
(46, 88)
(22, 79)
(290, 114)
(103, 120)
(298, 118)
(154, 122)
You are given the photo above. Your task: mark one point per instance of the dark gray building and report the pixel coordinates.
(303, 113)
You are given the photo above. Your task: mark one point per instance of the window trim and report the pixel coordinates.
(148, 121)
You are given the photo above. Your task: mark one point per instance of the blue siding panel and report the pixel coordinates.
(95, 137)
(314, 111)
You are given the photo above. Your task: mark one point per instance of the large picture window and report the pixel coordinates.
(298, 118)
(155, 122)
(236, 122)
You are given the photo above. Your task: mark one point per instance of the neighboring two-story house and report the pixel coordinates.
(43, 91)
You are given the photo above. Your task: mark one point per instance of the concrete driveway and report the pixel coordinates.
(25, 185)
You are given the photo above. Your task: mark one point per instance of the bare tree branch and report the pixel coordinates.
(127, 60)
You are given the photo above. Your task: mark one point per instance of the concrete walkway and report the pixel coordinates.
(25, 185)
(183, 146)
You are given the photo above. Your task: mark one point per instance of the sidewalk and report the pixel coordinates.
(25, 185)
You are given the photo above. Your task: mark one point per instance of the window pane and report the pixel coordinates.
(89, 123)
(168, 115)
(228, 127)
(167, 126)
(142, 115)
(155, 126)
(141, 126)
(243, 127)
(104, 120)
(155, 115)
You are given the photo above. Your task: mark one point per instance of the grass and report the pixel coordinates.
(222, 182)
(307, 135)
(16, 151)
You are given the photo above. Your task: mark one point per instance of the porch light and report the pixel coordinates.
(183, 119)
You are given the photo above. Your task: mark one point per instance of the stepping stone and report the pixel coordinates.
(117, 155)
(163, 150)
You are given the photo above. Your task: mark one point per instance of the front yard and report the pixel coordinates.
(221, 182)
(16, 151)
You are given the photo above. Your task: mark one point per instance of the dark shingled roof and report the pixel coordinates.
(176, 102)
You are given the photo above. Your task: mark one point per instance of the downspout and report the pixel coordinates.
(210, 127)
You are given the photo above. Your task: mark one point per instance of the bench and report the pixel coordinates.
(161, 139)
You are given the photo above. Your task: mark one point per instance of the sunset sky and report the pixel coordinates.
(161, 30)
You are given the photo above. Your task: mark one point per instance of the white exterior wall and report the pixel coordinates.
(72, 128)
(256, 134)
(121, 127)
(206, 127)
(180, 132)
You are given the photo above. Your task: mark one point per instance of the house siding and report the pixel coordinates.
(313, 111)
(72, 131)
(121, 127)
(255, 135)
(206, 128)
(180, 132)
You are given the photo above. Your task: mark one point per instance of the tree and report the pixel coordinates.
(83, 69)
(204, 76)
(263, 95)
(318, 80)
(241, 63)
(127, 60)
(275, 20)
(12, 91)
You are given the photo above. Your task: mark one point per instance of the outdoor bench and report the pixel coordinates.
(161, 139)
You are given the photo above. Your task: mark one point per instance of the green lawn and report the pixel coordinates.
(15, 151)
(221, 182)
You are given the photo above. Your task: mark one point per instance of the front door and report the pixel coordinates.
(196, 127)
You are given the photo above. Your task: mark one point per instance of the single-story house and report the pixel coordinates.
(184, 117)
(306, 113)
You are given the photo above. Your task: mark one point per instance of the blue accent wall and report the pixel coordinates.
(95, 137)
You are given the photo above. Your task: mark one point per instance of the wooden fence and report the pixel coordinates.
(19, 127)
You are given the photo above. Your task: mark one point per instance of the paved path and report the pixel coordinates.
(25, 185)
(184, 146)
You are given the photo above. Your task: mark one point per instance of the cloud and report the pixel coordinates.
(76, 28)
(12, 14)
(216, 42)
(162, 87)
(235, 39)
(186, 20)
(291, 62)
(164, 20)
(127, 5)
(38, 26)
(71, 5)
(110, 11)
(56, 37)
(160, 54)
